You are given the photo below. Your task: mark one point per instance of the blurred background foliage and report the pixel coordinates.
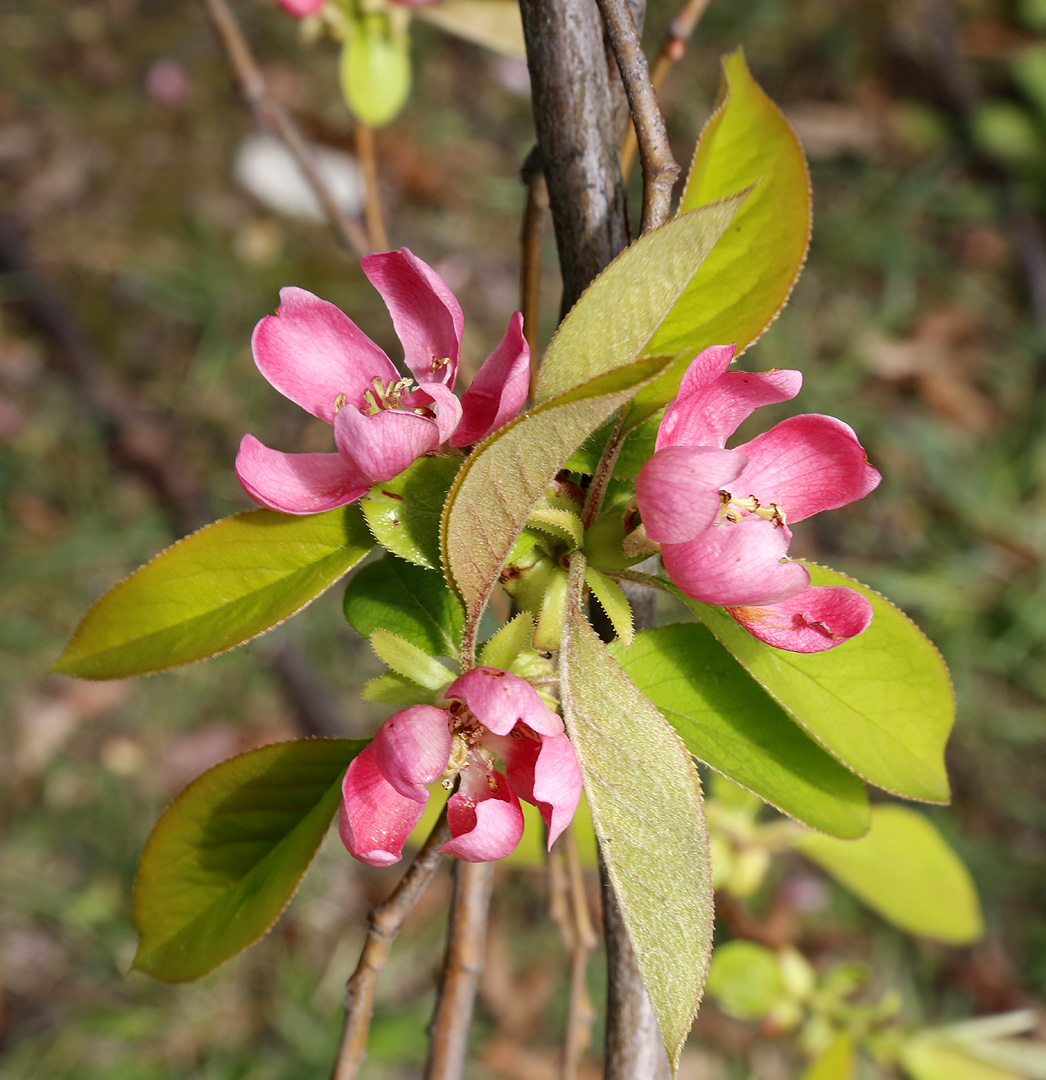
(134, 266)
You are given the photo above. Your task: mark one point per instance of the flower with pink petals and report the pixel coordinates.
(490, 715)
(301, 8)
(722, 516)
(315, 355)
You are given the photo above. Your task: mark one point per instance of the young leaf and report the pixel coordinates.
(645, 798)
(406, 600)
(229, 852)
(881, 703)
(836, 1063)
(747, 278)
(745, 978)
(612, 323)
(391, 688)
(501, 482)
(503, 648)
(217, 588)
(729, 722)
(562, 524)
(409, 661)
(926, 1059)
(404, 512)
(904, 870)
(614, 603)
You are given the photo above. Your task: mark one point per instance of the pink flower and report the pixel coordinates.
(722, 516)
(300, 8)
(492, 714)
(317, 356)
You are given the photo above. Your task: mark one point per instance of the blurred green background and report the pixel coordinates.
(134, 266)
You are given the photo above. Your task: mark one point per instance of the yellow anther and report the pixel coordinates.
(338, 402)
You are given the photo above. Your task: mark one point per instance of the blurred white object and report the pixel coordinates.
(265, 168)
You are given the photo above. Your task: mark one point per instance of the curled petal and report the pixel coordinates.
(484, 815)
(312, 351)
(301, 8)
(499, 389)
(542, 769)
(412, 748)
(736, 563)
(500, 700)
(380, 446)
(424, 311)
(806, 464)
(707, 412)
(375, 818)
(813, 620)
(296, 483)
(678, 490)
(446, 402)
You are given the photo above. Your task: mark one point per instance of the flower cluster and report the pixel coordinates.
(315, 355)
(489, 714)
(722, 516)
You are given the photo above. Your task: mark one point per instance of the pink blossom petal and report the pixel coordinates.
(412, 748)
(484, 815)
(446, 403)
(708, 413)
(500, 700)
(375, 818)
(678, 490)
(296, 483)
(806, 464)
(813, 620)
(542, 769)
(736, 563)
(424, 311)
(301, 8)
(311, 352)
(380, 446)
(499, 389)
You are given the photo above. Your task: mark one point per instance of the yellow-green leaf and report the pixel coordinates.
(904, 870)
(219, 587)
(836, 1063)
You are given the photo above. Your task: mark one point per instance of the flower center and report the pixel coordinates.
(733, 509)
(386, 395)
(466, 733)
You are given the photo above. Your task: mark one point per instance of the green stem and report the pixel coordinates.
(604, 470)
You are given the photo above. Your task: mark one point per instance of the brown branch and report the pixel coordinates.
(672, 50)
(659, 166)
(580, 1012)
(461, 970)
(386, 921)
(272, 116)
(530, 243)
(365, 147)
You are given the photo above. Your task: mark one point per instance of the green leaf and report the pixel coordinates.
(391, 688)
(904, 870)
(745, 979)
(229, 852)
(836, 1063)
(747, 278)
(633, 455)
(881, 703)
(503, 648)
(612, 323)
(931, 1060)
(501, 482)
(409, 661)
(614, 603)
(729, 722)
(494, 24)
(404, 513)
(217, 588)
(562, 524)
(407, 600)
(645, 798)
(375, 69)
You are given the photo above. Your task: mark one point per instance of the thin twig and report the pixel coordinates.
(533, 173)
(659, 166)
(272, 116)
(466, 938)
(367, 151)
(672, 50)
(580, 1012)
(386, 921)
